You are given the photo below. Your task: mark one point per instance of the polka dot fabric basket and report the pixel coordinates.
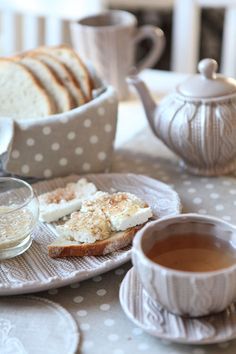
(80, 140)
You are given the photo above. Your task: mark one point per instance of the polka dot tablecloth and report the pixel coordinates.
(94, 303)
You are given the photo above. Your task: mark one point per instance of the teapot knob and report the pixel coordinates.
(208, 68)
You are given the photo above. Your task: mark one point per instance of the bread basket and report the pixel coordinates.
(77, 141)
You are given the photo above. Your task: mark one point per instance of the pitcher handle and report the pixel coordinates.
(158, 43)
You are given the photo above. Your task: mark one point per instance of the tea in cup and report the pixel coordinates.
(187, 263)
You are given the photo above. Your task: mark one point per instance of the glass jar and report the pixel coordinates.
(19, 212)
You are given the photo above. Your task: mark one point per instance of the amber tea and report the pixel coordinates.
(193, 253)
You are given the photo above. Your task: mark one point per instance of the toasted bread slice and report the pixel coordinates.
(74, 64)
(21, 95)
(50, 82)
(65, 248)
(63, 74)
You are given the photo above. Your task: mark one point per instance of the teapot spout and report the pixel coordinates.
(146, 98)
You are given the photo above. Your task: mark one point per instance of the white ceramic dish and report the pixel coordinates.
(36, 271)
(36, 339)
(152, 318)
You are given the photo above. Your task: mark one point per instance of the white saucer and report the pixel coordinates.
(152, 318)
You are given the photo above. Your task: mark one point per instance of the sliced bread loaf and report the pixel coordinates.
(66, 78)
(74, 64)
(21, 95)
(50, 82)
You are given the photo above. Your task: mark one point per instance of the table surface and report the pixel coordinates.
(94, 303)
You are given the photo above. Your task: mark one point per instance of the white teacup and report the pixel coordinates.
(109, 41)
(186, 293)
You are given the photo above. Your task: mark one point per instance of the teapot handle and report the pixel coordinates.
(6, 138)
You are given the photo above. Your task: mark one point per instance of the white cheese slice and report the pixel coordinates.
(63, 201)
(86, 227)
(96, 201)
(123, 210)
(129, 218)
(53, 212)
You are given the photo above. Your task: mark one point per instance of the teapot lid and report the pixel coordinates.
(207, 84)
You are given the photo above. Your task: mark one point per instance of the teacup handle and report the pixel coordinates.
(158, 42)
(6, 137)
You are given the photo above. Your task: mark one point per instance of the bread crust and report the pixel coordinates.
(65, 76)
(86, 85)
(58, 80)
(99, 248)
(88, 81)
(59, 94)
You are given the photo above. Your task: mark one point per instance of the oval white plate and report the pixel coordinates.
(23, 330)
(155, 320)
(36, 271)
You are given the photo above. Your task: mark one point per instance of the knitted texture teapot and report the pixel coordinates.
(197, 121)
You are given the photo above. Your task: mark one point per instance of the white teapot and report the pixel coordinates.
(198, 120)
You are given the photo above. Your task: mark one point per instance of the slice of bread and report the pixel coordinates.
(63, 74)
(50, 82)
(74, 64)
(62, 247)
(21, 95)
